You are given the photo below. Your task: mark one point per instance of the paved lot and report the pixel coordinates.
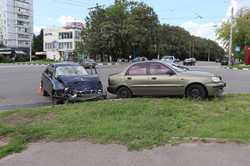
(87, 154)
(19, 85)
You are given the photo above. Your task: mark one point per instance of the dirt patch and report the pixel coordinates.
(2, 98)
(17, 119)
(3, 141)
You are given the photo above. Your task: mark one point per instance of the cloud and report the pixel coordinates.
(237, 5)
(50, 19)
(206, 30)
(37, 29)
(63, 20)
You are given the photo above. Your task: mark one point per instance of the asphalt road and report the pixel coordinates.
(19, 84)
(86, 154)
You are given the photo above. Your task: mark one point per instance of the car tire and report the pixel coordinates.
(123, 93)
(196, 91)
(44, 92)
(57, 101)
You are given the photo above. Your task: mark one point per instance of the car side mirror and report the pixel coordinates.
(171, 73)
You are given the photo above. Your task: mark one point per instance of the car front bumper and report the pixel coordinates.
(216, 89)
(80, 96)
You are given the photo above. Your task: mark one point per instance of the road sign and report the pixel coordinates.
(237, 49)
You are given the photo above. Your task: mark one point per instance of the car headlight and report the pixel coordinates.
(216, 79)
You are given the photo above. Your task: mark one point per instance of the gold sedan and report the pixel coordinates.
(157, 78)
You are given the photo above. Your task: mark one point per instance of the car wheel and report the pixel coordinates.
(45, 93)
(196, 91)
(57, 101)
(123, 93)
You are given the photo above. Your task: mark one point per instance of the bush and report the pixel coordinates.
(21, 58)
(4, 59)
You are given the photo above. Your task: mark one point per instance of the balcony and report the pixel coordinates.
(23, 5)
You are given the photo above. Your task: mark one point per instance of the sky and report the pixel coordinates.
(199, 17)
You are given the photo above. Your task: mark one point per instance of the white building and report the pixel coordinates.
(16, 23)
(60, 42)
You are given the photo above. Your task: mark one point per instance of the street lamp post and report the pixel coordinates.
(231, 38)
(30, 50)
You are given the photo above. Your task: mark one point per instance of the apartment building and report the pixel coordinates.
(16, 24)
(60, 42)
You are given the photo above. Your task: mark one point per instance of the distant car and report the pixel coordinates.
(122, 60)
(189, 62)
(139, 59)
(88, 63)
(217, 60)
(70, 82)
(169, 59)
(224, 61)
(157, 78)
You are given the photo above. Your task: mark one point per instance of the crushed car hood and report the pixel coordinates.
(80, 83)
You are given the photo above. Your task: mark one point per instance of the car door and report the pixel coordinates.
(164, 81)
(47, 80)
(137, 79)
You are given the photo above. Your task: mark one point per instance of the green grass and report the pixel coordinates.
(136, 123)
(40, 62)
(240, 66)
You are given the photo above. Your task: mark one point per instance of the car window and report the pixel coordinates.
(138, 69)
(158, 69)
(46, 71)
(49, 71)
(70, 71)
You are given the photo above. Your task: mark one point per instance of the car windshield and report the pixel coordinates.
(70, 71)
(90, 60)
(177, 69)
(168, 58)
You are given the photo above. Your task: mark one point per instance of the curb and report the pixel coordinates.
(205, 140)
(30, 64)
(22, 64)
(237, 69)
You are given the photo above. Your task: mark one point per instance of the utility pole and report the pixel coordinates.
(231, 38)
(31, 48)
(209, 52)
(96, 7)
(190, 49)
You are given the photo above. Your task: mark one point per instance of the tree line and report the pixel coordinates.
(241, 32)
(131, 29)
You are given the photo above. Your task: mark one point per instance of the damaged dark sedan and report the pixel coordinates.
(71, 82)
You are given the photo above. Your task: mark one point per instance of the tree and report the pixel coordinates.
(2, 46)
(174, 41)
(132, 28)
(37, 45)
(177, 42)
(241, 33)
(120, 30)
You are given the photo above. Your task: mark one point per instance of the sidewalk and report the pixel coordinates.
(86, 154)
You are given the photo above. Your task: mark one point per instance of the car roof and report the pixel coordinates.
(152, 61)
(62, 64)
